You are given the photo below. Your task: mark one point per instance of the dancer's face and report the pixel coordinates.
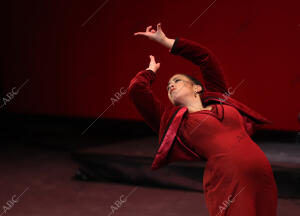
(180, 89)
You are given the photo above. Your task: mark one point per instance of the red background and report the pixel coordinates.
(75, 66)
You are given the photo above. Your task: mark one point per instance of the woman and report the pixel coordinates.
(202, 124)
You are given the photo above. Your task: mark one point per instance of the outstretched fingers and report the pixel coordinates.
(152, 58)
(159, 27)
(148, 28)
(140, 33)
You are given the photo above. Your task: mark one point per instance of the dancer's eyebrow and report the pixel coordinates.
(173, 80)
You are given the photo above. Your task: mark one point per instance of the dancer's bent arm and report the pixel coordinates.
(213, 75)
(141, 94)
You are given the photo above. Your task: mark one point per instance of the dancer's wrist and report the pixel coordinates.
(152, 69)
(167, 42)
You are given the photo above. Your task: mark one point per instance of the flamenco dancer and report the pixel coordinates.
(202, 124)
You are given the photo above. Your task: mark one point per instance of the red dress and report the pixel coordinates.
(238, 178)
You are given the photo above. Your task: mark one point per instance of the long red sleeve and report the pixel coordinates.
(147, 104)
(213, 75)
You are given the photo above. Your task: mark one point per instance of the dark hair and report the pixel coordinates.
(195, 81)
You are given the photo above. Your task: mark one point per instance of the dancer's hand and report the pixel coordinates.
(152, 34)
(158, 36)
(153, 65)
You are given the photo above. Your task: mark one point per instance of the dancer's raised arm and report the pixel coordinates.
(141, 94)
(213, 75)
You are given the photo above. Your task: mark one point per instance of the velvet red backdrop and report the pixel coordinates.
(72, 57)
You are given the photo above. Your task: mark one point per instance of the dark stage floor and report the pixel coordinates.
(45, 177)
